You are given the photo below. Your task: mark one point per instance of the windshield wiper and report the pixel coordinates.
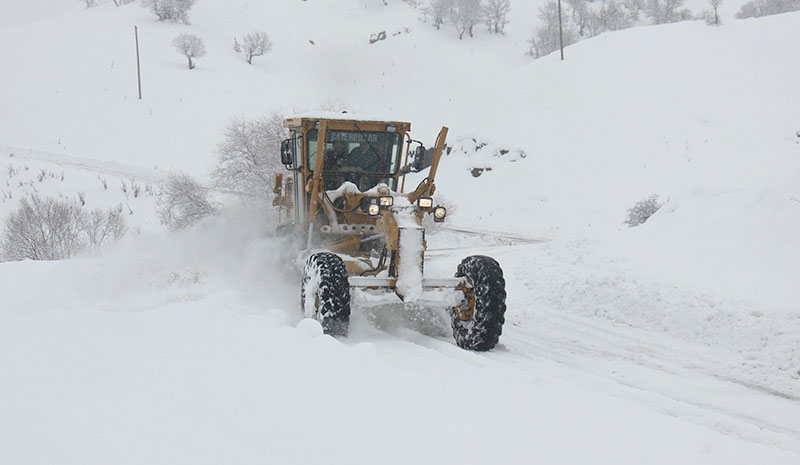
(366, 139)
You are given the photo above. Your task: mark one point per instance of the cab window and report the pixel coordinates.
(357, 151)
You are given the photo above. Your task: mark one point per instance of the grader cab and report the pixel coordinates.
(361, 233)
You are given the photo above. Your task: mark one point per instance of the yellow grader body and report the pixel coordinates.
(361, 234)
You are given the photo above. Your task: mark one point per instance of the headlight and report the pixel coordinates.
(439, 213)
(385, 201)
(425, 202)
(374, 209)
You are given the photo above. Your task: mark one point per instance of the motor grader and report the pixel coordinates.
(361, 233)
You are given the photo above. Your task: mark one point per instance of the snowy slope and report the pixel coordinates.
(16, 13)
(673, 342)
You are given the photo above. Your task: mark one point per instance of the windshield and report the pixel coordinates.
(376, 153)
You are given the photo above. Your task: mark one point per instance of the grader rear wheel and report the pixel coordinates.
(479, 327)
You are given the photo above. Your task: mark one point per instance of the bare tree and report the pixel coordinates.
(588, 18)
(465, 15)
(757, 8)
(183, 202)
(496, 15)
(583, 17)
(546, 39)
(440, 11)
(712, 17)
(613, 16)
(190, 46)
(170, 10)
(331, 104)
(633, 9)
(255, 44)
(666, 11)
(249, 156)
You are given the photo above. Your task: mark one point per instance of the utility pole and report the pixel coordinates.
(560, 31)
(138, 67)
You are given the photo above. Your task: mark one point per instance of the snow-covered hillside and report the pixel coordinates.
(677, 341)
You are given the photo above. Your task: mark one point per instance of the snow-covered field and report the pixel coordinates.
(677, 341)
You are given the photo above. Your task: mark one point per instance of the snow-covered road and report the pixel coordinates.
(160, 353)
(710, 385)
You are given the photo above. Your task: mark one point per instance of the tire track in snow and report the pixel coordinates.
(670, 375)
(87, 164)
(690, 380)
(653, 378)
(729, 408)
(515, 239)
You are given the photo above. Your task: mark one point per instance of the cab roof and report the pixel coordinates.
(345, 121)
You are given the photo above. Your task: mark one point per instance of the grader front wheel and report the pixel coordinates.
(478, 325)
(325, 293)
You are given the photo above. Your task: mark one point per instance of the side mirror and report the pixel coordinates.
(288, 152)
(419, 159)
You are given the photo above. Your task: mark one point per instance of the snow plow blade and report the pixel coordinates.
(370, 291)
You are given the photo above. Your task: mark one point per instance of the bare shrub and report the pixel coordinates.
(175, 11)
(136, 188)
(643, 210)
(255, 44)
(44, 229)
(55, 229)
(104, 226)
(249, 156)
(373, 38)
(190, 46)
(183, 202)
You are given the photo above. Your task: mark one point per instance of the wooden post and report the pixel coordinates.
(560, 31)
(138, 66)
